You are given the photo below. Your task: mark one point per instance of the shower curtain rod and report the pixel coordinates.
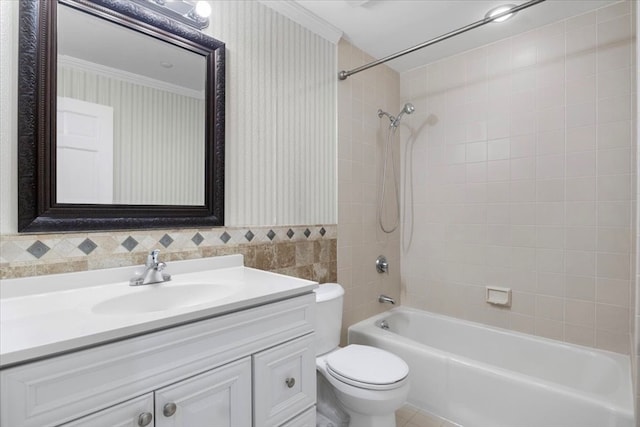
(342, 75)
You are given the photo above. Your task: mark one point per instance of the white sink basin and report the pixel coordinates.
(162, 297)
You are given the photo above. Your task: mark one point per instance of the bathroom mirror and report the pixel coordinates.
(120, 119)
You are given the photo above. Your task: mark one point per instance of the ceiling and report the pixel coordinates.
(98, 41)
(383, 27)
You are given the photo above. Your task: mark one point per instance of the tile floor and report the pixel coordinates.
(410, 416)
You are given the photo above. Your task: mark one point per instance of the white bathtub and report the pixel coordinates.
(479, 376)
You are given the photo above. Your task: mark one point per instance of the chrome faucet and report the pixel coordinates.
(382, 265)
(385, 299)
(152, 272)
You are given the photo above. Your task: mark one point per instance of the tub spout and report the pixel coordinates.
(384, 299)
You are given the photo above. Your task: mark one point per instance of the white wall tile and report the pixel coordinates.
(613, 292)
(580, 39)
(523, 168)
(550, 260)
(552, 142)
(581, 163)
(581, 238)
(364, 135)
(498, 170)
(522, 191)
(550, 167)
(549, 237)
(580, 115)
(579, 139)
(550, 190)
(579, 312)
(613, 265)
(614, 56)
(612, 162)
(581, 64)
(614, 187)
(615, 30)
(546, 185)
(614, 214)
(581, 213)
(523, 146)
(581, 91)
(614, 109)
(580, 263)
(580, 189)
(476, 152)
(498, 149)
(614, 83)
(580, 287)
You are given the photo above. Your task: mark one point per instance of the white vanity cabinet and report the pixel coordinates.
(254, 367)
(127, 414)
(284, 382)
(220, 397)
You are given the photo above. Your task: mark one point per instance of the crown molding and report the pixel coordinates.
(312, 22)
(114, 73)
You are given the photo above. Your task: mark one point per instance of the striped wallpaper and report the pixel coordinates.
(280, 118)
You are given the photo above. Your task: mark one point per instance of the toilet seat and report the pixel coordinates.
(367, 367)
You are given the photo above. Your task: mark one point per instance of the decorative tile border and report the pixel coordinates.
(302, 251)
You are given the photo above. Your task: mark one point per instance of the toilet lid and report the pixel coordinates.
(366, 366)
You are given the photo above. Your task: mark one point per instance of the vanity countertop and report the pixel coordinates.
(47, 315)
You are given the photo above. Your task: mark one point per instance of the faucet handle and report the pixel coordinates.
(152, 258)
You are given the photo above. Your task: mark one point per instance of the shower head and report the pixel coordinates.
(395, 121)
(407, 109)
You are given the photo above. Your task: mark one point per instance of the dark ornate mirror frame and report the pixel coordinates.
(37, 59)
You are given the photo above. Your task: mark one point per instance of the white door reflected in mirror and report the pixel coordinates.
(84, 152)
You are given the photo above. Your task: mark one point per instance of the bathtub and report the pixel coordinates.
(479, 376)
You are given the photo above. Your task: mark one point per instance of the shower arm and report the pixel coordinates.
(342, 75)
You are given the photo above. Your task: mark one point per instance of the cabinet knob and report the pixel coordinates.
(169, 409)
(144, 419)
(290, 382)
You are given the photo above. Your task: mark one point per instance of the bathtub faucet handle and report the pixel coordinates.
(384, 299)
(382, 265)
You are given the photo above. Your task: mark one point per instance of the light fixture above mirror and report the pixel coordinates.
(190, 12)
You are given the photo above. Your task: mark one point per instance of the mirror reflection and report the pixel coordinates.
(130, 116)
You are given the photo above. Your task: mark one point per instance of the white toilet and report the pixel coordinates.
(370, 383)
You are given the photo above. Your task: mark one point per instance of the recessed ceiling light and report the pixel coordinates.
(498, 10)
(166, 64)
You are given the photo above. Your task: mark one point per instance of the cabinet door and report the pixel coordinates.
(217, 398)
(136, 412)
(284, 381)
(306, 419)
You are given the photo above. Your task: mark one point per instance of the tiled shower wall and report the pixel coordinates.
(521, 156)
(361, 139)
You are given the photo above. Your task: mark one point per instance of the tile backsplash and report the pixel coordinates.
(304, 251)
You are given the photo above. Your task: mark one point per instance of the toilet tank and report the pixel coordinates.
(329, 299)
